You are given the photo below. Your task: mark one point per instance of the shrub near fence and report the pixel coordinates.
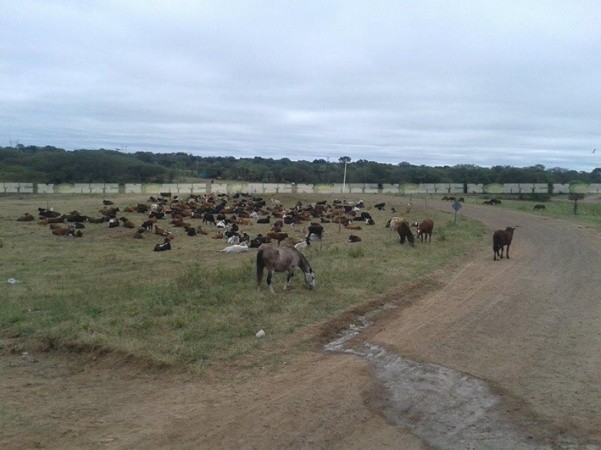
(291, 188)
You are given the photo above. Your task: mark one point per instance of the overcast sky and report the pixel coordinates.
(428, 82)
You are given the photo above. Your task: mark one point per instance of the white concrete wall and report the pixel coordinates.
(561, 188)
(288, 188)
(475, 188)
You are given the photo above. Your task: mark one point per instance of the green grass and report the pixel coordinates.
(194, 306)
(589, 211)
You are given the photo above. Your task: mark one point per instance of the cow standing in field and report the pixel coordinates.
(404, 232)
(209, 218)
(424, 230)
(501, 239)
(392, 223)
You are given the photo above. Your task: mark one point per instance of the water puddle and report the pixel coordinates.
(445, 408)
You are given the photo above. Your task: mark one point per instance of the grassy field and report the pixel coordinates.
(194, 306)
(589, 209)
(588, 212)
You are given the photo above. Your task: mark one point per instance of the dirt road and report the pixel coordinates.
(506, 355)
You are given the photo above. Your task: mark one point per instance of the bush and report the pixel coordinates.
(356, 252)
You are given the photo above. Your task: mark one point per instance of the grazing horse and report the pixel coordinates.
(282, 259)
(402, 228)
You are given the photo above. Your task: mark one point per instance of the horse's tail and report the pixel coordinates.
(260, 267)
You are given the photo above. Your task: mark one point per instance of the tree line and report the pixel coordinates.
(55, 165)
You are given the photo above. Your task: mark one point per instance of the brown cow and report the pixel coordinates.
(127, 223)
(63, 231)
(404, 232)
(27, 217)
(352, 227)
(275, 236)
(160, 231)
(424, 229)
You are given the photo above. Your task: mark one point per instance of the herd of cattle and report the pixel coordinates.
(225, 217)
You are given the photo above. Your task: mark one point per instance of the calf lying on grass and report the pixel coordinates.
(164, 246)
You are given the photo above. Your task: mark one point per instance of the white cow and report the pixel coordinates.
(236, 248)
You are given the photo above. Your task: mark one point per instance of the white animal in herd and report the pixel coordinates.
(392, 223)
(239, 248)
(302, 244)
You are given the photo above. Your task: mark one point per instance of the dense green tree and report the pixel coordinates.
(54, 165)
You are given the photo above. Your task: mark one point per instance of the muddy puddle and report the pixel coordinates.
(445, 408)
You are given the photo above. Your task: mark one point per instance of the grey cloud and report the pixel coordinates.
(424, 82)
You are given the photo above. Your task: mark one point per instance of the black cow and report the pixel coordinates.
(163, 247)
(501, 239)
(256, 242)
(208, 218)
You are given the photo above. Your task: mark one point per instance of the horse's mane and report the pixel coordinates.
(303, 262)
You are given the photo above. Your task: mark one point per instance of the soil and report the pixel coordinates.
(506, 354)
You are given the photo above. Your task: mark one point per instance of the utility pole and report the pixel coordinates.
(345, 160)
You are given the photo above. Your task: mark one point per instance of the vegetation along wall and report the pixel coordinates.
(292, 188)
